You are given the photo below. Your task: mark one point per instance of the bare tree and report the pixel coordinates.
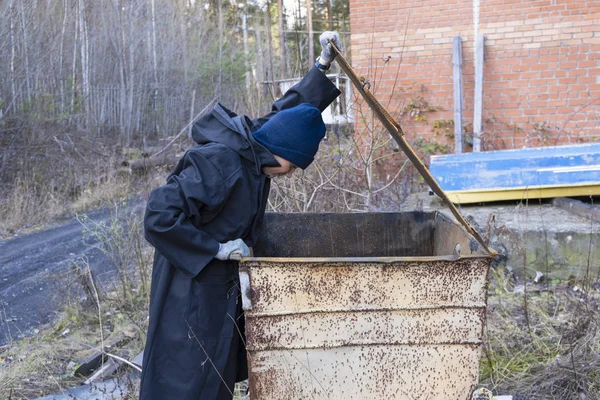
(25, 52)
(61, 57)
(154, 64)
(13, 50)
(309, 27)
(282, 49)
(84, 55)
(130, 67)
(220, 75)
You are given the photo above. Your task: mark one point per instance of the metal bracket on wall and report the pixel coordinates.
(395, 130)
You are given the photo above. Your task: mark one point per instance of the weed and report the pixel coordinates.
(417, 108)
(542, 134)
(443, 127)
(429, 147)
(551, 354)
(122, 241)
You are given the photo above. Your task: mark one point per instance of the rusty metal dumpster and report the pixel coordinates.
(364, 306)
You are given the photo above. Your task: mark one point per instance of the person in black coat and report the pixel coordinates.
(208, 210)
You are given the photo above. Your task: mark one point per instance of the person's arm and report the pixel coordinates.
(172, 207)
(315, 88)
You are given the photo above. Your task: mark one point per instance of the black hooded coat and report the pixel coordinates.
(217, 192)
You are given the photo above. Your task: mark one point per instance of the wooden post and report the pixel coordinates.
(458, 94)
(478, 106)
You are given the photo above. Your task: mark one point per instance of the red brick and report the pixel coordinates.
(562, 71)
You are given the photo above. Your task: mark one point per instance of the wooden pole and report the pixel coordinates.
(478, 106)
(458, 94)
(309, 28)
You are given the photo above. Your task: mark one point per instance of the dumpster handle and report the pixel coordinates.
(395, 130)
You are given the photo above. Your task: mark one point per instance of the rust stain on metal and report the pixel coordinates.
(366, 327)
(298, 287)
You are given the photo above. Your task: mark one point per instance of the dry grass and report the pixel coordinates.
(547, 347)
(35, 367)
(115, 187)
(45, 364)
(28, 203)
(49, 170)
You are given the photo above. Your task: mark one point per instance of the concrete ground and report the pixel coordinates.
(546, 236)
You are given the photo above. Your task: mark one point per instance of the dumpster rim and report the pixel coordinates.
(376, 260)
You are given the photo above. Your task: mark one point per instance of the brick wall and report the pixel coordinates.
(541, 73)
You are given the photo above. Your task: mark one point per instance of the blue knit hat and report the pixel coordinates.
(293, 134)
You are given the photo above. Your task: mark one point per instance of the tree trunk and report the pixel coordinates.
(13, 55)
(309, 28)
(119, 44)
(123, 81)
(25, 52)
(220, 27)
(299, 44)
(84, 55)
(184, 44)
(260, 68)
(74, 68)
(271, 75)
(244, 18)
(61, 61)
(282, 49)
(130, 76)
(155, 64)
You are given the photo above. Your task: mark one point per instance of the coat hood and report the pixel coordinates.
(224, 126)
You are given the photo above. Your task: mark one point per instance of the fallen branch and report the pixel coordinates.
(107, 370)
(102, 352)
(144, 163)
(159, 158)
(185, 129)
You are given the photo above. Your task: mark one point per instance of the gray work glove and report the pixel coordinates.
(228, 249)
(327, 53)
